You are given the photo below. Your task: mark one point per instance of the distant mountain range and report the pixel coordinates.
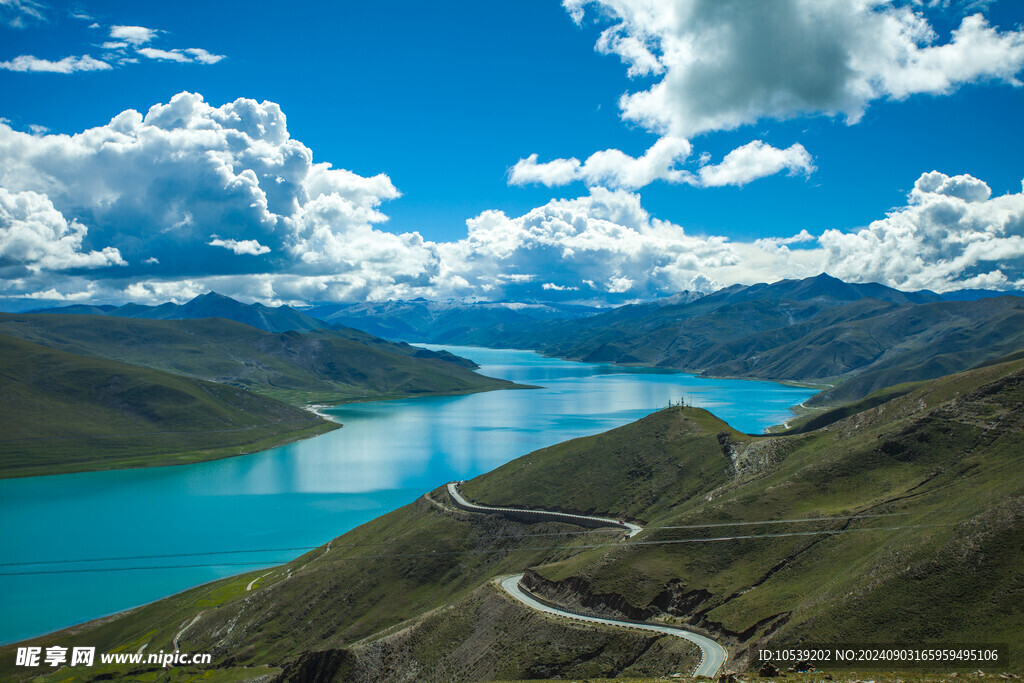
(416, 320)
(441, 322)
(460, 322)
(211, 305)
(819, 330)
(859, 337)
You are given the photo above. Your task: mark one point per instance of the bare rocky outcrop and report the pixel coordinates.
(575, 593)
(758, 455)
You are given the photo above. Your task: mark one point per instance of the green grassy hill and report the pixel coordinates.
(320, 366)
(925, 501)
(62, 412)
(901, 523)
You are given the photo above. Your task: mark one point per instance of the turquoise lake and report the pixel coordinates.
(80, 546)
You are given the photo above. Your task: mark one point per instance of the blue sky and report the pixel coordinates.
(836, 112)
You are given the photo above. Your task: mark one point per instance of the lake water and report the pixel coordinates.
(79, 546)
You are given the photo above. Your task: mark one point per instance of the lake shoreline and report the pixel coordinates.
(276, 441)
(313, 490)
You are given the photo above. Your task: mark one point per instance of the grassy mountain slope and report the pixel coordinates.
(907, 343)
(941, 563)
(321, 366)
(912, 513)
(62, 412)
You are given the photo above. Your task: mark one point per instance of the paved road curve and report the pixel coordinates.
(713, 655)
(585, 520)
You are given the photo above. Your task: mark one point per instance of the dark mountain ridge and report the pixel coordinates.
(209, 305)
(820, 330)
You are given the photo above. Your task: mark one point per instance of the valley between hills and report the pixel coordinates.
(901, 520)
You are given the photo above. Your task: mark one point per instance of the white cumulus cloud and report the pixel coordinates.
(251, 247)
(166, 55)
(726, 63)
(155, 187)
(713, 65)
(601, 244)
(755, 160)
(186, 56)
(35, 236)
(136, 35)
(613, 168)
(609, 168)
(951, 234)
(549, 173)
(202, 56)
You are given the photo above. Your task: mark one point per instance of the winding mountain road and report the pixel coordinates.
(713, 655)
(546, 515)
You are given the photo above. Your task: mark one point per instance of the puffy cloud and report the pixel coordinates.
(603, 245)
(35, 236)
(203, 56)
(756, 160)
(136, 35)
(638, 52)
(186, 56)
(721, 64)
(166, 55)
(951, 234)
(66, 65)
(550, 173)
(158, 185)
(615, 169)
(727, 63)
(609, 168)
(965, 187)
(251, 247)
